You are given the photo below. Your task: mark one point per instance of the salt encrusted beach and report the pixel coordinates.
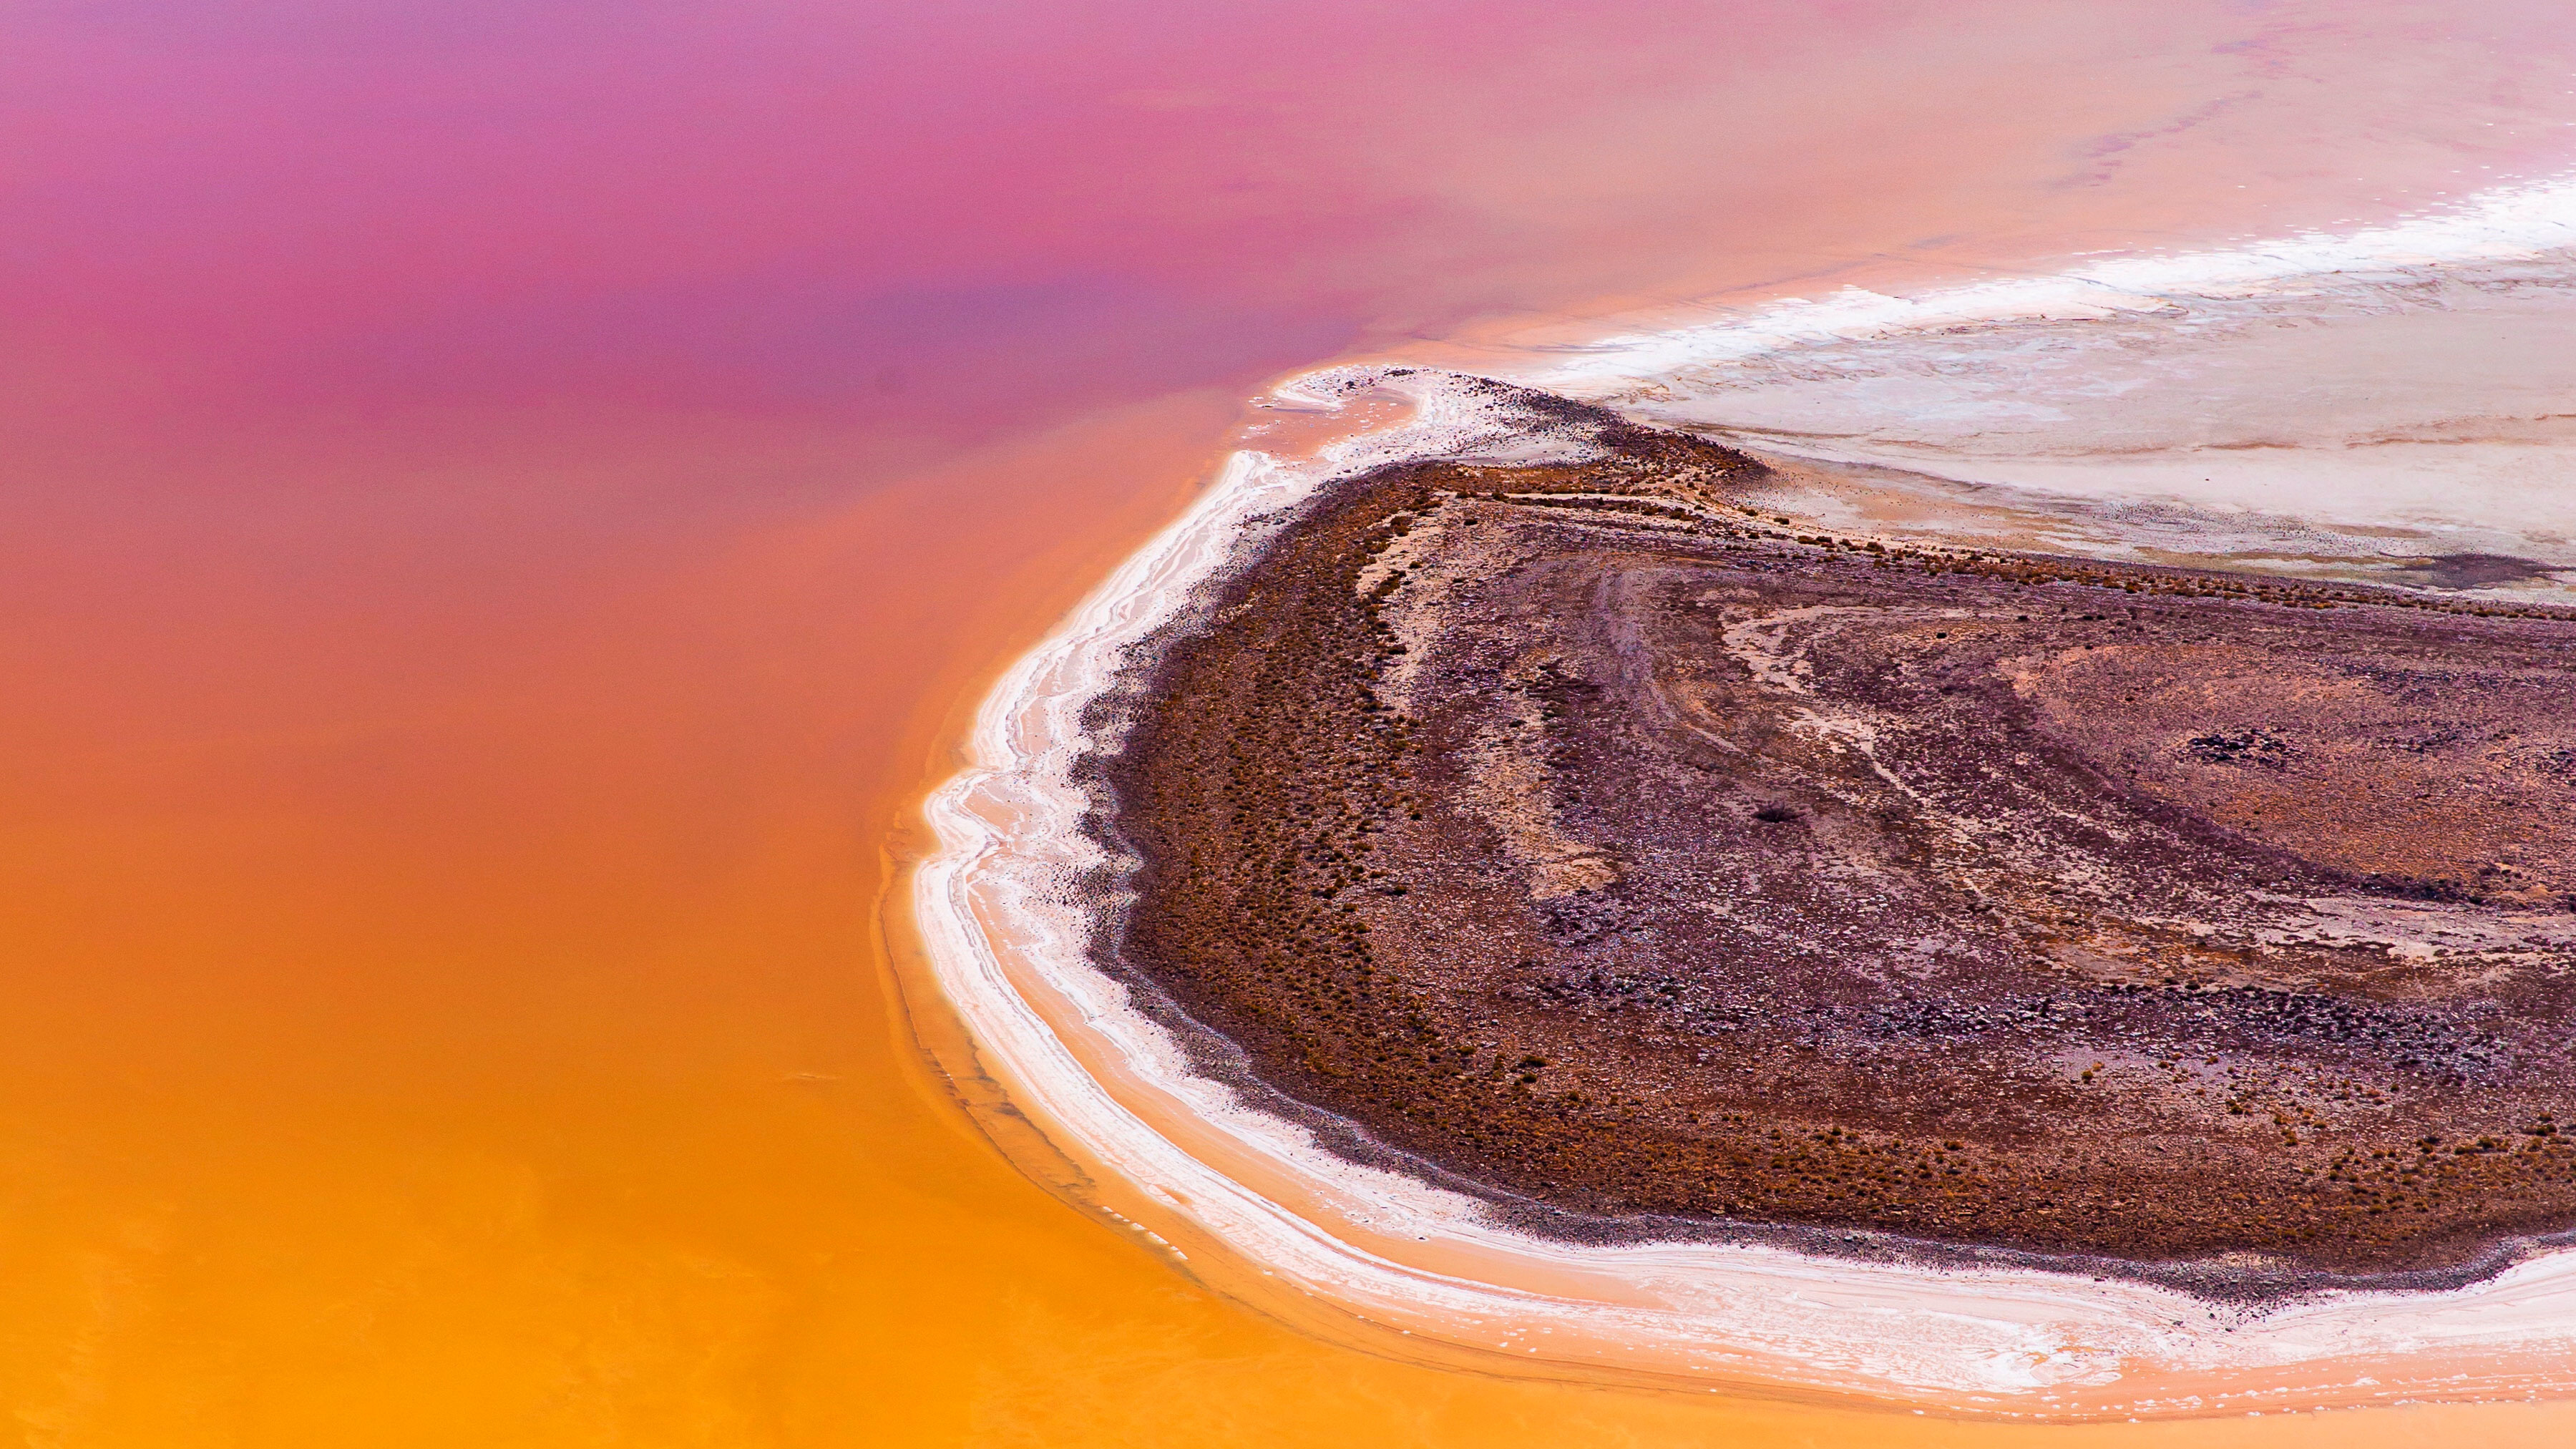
(1014, 914)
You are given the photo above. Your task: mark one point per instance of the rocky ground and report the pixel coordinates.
(1597, 838)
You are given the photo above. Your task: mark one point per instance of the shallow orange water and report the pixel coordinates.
(472, 639)
(574, 1107)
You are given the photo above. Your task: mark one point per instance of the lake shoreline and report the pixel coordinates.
(2002, 1326)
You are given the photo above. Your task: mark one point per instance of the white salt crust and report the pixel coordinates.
(2416, 379)
(1006, 939)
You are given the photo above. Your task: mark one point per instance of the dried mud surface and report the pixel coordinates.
(1586, 834)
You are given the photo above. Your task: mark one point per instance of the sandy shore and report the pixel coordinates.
(2345, 397)
(1267, 1212)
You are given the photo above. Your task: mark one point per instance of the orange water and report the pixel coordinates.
(475, 626)
(574, 1106)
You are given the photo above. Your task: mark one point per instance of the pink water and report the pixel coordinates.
(504, 504)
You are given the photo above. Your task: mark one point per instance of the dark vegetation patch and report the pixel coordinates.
(2477, 570)
(1630, 853)
(2240, 747)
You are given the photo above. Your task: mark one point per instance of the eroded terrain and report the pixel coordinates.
(1587, 834)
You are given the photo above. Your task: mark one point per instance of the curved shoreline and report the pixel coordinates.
(1008, 942)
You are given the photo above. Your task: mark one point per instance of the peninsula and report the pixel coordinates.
(1594, 836)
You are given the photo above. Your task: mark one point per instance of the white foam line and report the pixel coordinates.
(1006, 939)
(2508, 224)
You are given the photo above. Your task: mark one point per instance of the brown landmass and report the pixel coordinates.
(1581, 832)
